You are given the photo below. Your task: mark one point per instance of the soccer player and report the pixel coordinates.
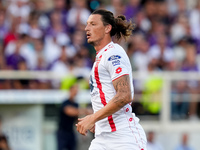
(114, 124)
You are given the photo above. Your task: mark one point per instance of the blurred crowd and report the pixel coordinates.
(44, 35)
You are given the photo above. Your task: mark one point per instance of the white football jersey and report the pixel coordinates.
(111, 63)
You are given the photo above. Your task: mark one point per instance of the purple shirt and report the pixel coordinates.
(130, 11)
(13, 60)
(188, 68)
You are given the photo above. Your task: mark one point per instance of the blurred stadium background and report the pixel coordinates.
(43, 50)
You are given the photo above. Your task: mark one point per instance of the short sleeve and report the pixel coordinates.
(116, 64)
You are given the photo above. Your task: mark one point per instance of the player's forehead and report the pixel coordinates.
(94, 18)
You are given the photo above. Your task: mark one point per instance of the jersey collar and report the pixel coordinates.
(108, 46)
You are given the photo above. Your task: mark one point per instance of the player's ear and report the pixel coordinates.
(108, 28)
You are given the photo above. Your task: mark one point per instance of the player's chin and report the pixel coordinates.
(90, 41)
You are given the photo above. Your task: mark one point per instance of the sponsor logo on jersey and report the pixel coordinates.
(130, 119)
(116, 62)
(110, 46)
(94, 93)
(114, 57)
(118, 70)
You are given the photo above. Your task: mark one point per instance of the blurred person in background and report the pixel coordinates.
(69, 112)
(194, 20)
(161, 52)
(19, 8)
(132, 8)
(140, 58)
(56, 26)
(53, 46)
(184, 143)
(152, 144)
(190, 65)
(180, 28)
(13, 59)
(116, 7)
(3, 139)
(60, 66)
(62, 6)
(12, 34)
(162, 12)
(158, 27)
(4, 143)
(143, 23)
(78, 41)
(149, 8)
(180, 100)
(151, 98)
(77, 15)
(40, 9)
(3, 25)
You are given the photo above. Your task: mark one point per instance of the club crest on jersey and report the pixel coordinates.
(114, 57)
(118, 70)
(116, 62)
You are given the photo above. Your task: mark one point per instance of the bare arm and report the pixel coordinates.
(71, 111)
(122, 97)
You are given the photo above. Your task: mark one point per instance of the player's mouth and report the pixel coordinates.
(88, 35)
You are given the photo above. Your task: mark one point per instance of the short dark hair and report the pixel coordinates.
(120, 26)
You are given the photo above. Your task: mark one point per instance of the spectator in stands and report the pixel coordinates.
(12, 34)
(184, 143)
(190, 64)
(152, 144)
(143, 24)
(14, 59)
(158, 27)
(132, 8)
(194, 20)
(162, 12)
(78, 40)
(80, 68)
(151, 94)
(116, 7)
(77, 15)
(3, 25)
(180, 101)
(140, 57)
(56, 25)
(19, 8)
(40, 9)
(161, 52)
(60, 66)
(39, 50)
(149, 9)
(180, 28)
(52, 47)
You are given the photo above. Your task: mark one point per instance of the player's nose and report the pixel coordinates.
(86, 28)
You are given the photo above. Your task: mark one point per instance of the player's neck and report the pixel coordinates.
(102, 44)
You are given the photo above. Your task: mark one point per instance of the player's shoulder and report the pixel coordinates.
(114, 49)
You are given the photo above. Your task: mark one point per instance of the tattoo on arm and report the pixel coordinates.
(123, 91)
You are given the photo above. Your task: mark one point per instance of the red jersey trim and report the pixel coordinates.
(119, 77)
(102, 95)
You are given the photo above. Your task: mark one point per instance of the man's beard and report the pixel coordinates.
(94, 43)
